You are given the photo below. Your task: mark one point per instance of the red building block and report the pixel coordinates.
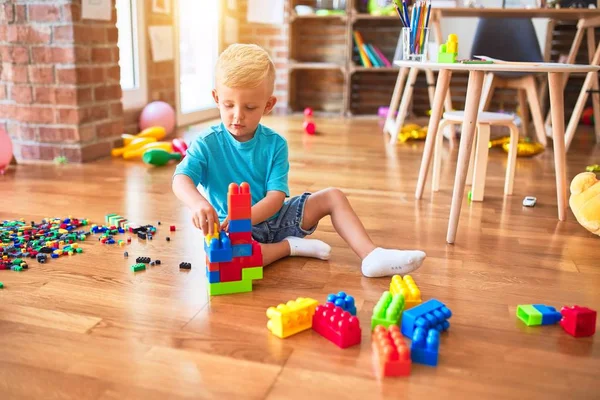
(391, 356)
(255, 260)
(578, 321)
(336, 325)
(230, 271)
(240, 238)
(212, 266)
(238, 197)
(239, 213)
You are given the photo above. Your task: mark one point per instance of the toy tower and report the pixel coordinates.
(234, 260)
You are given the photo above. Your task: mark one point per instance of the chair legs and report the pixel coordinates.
(512, 160)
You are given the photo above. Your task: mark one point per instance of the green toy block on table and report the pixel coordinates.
(449, 51)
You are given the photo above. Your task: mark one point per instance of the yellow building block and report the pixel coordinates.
(290, 318)
(408, 288)
(208, 238)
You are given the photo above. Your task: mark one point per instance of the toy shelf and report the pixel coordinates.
(381, 34)
(315, 40)
(369, 91)
(321, 89)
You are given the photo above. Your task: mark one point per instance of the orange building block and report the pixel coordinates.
(391, 355)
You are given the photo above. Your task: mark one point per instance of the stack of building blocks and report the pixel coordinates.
(578, 321)
(391, 356)
(538, 314)
(388, 310)
(293, 317)
(343, 300)
(408, 288)
(432, 314)
(336, 325)
(425, 346)
(449, 51)
(233, 259)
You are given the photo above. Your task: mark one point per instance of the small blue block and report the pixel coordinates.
(430, 314)
(549, 314)
(111, 241)
(240, 225)
(242, 250)
(121, 230)
(213, 276)
(220, 249)
(425, 346)
(54, 255)
(344, 301)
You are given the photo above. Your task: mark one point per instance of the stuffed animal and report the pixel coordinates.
(585, 201)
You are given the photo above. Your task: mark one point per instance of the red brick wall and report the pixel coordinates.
(161, 75)
(273, 39)
(59, 81)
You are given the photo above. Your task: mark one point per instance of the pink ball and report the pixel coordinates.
(158, 113)
(308, 111)
(6, 151)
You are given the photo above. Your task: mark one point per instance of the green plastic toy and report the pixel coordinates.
(159, 157)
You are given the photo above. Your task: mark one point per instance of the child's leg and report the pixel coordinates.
(376, 261)
(293, 246)
(272, 252)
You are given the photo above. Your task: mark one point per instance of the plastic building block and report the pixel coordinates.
(408, 288)
(158, 263)
(343, 300)
(168, 239)
(245, 285)
(240, 225)
(449, 51)
(391, 356)
(336, 325)
(242, 250)
(239, 201)
(215, 235)
(219, 250)
(138, 267)
(388, 310)
(172, 228)
(152, 263)
(230, 271)
(240, 238)
(1, 285)
(141, 235)
(212, 266)
(578, 321)
(538, 314)
(125, 254)
(425, 346)
(143, 260)
(292, 317)
(430, 314)
(213, 276)
(185, 265)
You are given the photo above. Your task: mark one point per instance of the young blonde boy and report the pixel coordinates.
(241, 149)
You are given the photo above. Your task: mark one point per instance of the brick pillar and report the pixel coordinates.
(274, 39)
(60, 92)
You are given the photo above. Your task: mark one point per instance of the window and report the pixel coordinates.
(130, 24)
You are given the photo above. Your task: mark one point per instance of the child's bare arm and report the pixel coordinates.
(204, 215)
(267, 207)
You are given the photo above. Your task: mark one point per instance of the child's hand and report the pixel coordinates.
(205, 217)
(225, 225)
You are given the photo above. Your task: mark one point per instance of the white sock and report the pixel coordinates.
(388, 262)
(308, 248)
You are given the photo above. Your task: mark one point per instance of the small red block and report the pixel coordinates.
(172, 228)
(337, 325)
(240, 237)
(578, 321)
(230, 271)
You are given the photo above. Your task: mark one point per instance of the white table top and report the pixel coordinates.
(505, 66)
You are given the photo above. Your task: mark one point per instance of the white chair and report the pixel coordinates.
(479, 153)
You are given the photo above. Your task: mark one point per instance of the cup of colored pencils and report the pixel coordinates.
(415, 30)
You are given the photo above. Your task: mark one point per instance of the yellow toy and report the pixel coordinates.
(157, 132)
(585, 201)
(167, 146)
(412, 131)
(135, 144)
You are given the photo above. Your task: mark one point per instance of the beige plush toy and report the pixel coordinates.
(585, 201)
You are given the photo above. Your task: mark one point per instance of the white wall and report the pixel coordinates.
(465, 29)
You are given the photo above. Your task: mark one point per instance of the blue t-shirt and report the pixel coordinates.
(215, 159)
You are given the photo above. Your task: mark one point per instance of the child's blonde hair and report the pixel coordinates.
(245, 66)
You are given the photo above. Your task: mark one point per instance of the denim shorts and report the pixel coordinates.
(287, 223)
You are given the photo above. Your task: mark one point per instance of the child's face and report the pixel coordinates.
(241, 109)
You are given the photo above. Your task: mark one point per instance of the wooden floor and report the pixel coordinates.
(86, 327)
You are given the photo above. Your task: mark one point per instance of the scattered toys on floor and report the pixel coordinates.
(185, 265)
(309, 124)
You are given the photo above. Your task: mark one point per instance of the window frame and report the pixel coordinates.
(137, 98)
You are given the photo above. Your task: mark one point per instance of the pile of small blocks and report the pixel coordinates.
(53, 236)
(119, 224)
(233, 259)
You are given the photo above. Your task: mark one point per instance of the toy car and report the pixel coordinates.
(529, 201)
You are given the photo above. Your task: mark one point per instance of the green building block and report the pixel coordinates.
(529, 315)
(1, 285)
(138, 267)
(18, 268)
(243, 286)
(388, 310)
(79, 250)
(17, 261)
(447, 58)
(109, 216)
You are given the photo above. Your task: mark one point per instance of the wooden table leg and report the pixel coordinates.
(406, 98)
(389, 126)
(464, 153)
(557, 108)
(441, 88)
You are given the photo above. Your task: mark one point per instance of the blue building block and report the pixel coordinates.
(538, 314)
(220, 249)
(425, 346)
(549, 314)
(344, 301)
(240, 225)
(430, 314)
(213, 276)
(242, 250)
